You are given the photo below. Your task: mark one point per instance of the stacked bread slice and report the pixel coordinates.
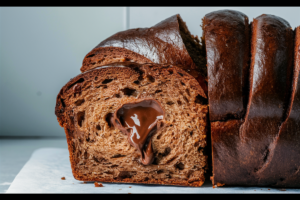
(138, 112)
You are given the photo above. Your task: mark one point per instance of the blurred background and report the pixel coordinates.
(42, 48)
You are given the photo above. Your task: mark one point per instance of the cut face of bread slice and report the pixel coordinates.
(134, 123)
(168, 42)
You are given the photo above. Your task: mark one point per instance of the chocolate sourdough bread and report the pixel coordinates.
(105, 112)
(168, 42)
(146, 122)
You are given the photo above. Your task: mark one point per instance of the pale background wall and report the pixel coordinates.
(42, 48)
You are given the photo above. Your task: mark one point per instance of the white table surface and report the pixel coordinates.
(14, 153)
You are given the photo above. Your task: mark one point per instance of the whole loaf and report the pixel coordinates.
(252, 84)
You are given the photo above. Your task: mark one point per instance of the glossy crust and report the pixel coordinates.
(269, 99)
(271, 78)
(162, 44)
(227, 38)
(226, 34)
(283, 164)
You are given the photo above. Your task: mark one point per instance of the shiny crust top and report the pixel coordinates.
(161, 43)
(271, 66)
(226, 34)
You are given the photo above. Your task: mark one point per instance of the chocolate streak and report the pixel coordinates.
(140, 121)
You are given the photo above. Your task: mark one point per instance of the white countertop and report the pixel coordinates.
(14, 153)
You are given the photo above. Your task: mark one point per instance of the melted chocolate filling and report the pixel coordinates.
(139, 121)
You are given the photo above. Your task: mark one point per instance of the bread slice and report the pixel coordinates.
(282, 165)
(270, 86)
(227, 40)
(168, 42)
(88, 106)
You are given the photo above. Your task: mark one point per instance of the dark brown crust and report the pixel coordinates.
(227, 42)
(283, 165)
(225, 159)
(71, 133)
(269, 100)
(160, 44)
(271, 78)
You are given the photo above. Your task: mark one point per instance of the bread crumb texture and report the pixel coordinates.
(100, 152)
